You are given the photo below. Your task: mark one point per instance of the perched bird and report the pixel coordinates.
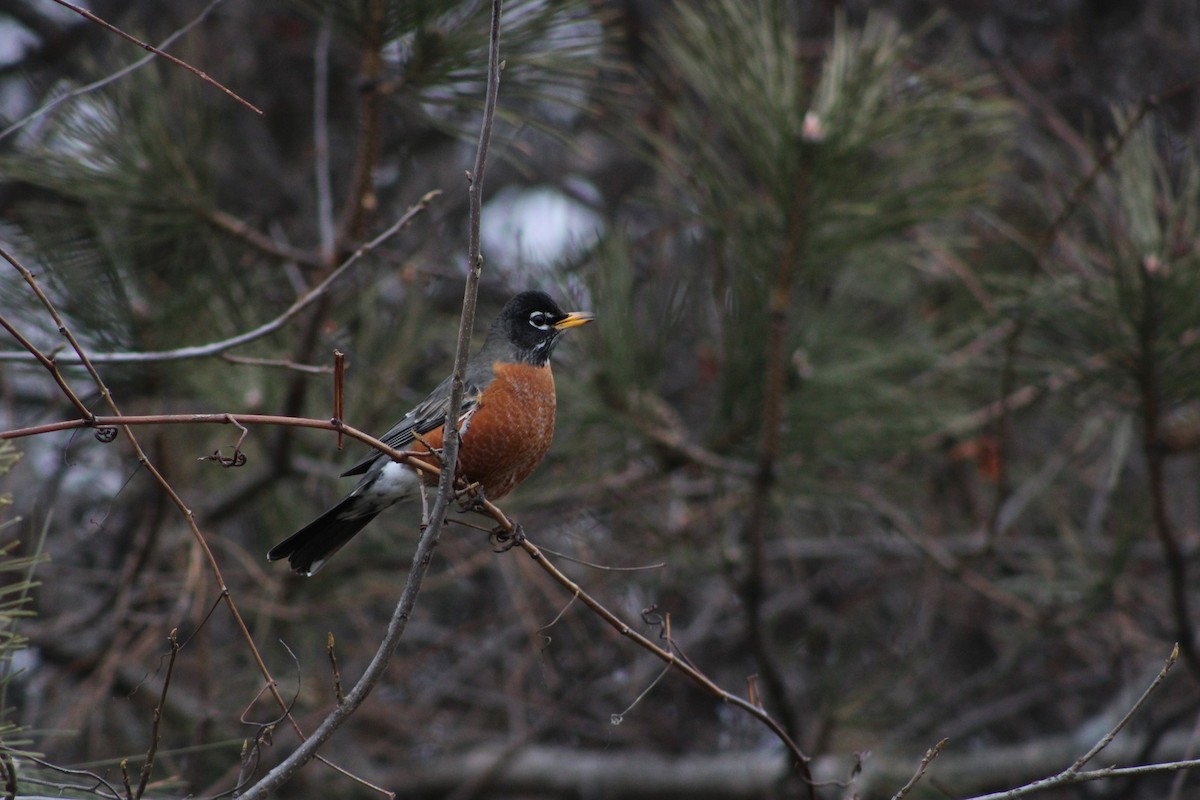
(506, 423)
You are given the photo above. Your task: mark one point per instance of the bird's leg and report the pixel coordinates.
(505, 539)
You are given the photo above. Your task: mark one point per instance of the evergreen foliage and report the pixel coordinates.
(979, 520)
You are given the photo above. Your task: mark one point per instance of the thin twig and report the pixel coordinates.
(1075, 774)
(412, 458)
(160, 53)
(166, 487)
(228, 223)
(619, 717)
(429, 536)
(561, 613)
(84, 773)
(282, 363)
(1141, 701)
(216, 348)
(450, 440)
(696, 676)
(604, 567)
(108, 79)
(49, 363)
(148, 765)
(125, 782)
(930, 755)
(657, 420)
(337, 673)
(339, 393)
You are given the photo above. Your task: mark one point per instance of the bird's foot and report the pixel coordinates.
(505, 539)
(471, 498)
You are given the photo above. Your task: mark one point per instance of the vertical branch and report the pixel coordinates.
(155, 735)
(339, 390)
(148, 464)
(753, 587)
(361, 202)
(169, 490)
(325, 224)
(1155, 454)
(450, 439)
(429, 536)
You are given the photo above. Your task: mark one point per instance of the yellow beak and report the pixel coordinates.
(574, 320)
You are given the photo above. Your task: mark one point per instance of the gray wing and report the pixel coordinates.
(429, 415)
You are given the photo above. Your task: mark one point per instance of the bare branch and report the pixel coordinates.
(160, 53)
(1074, 774)
(148, 765)
(105, 81)
(224, 221)
(161, 480)
(800, 760)
(929, 756)
(1141, 701)
(429, 536)
(216, 348)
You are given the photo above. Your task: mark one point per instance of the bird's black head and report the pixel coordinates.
(530, 324)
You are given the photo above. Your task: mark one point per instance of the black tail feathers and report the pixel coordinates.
(309, 548)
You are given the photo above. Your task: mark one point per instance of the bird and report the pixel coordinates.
(505, 425)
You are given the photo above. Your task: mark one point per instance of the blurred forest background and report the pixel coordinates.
(896, 374)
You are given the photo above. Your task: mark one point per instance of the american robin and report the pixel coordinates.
(506, 424)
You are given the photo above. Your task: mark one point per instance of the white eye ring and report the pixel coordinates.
(538, 320)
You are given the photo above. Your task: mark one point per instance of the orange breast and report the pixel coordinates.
(510, 431)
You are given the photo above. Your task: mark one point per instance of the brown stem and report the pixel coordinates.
(424, 552)
(437, 515)
(362, 202)
(164, 485)
(1156, 454)
(155, 735)
(160, 53)
(450, 441)
(240, 229)
(219, 347)
(753, 534)
(696, 676)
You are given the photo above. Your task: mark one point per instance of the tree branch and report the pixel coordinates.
(216, 348)
(160, 53)
(437, 515)
(105, 81)
(164, 484)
